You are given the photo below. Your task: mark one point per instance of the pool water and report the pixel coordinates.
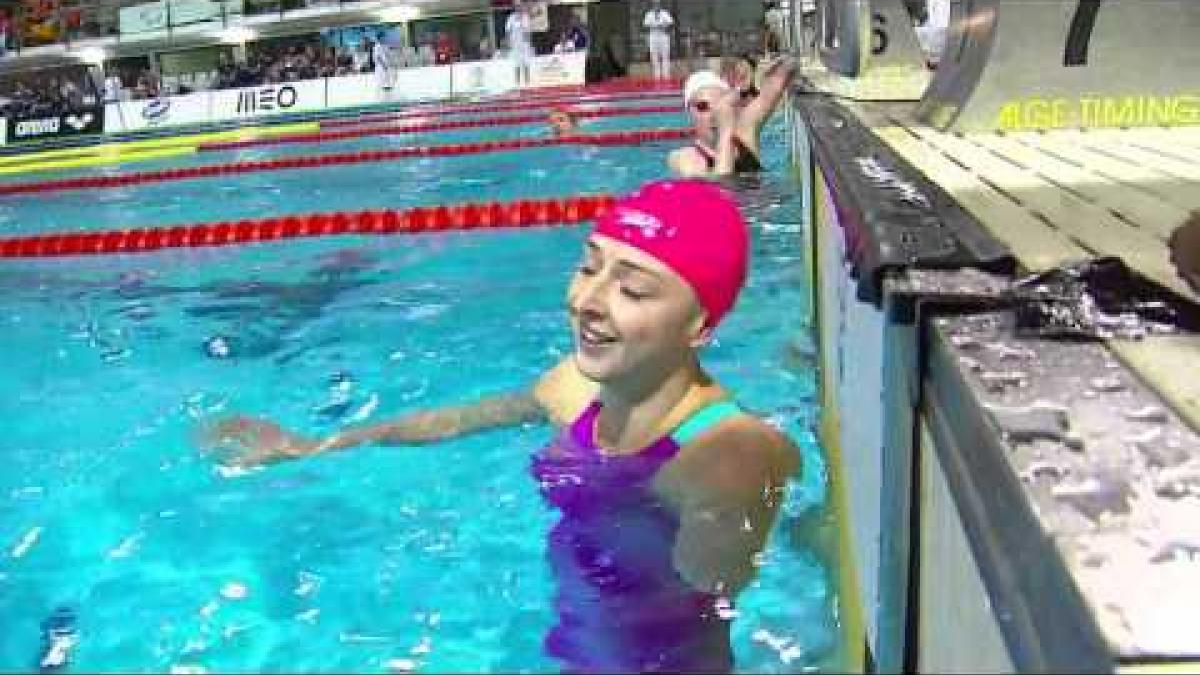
(424, 559)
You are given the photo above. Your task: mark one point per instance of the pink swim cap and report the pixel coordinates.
(692, 226)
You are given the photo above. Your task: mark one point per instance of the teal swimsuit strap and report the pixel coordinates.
(701, 420)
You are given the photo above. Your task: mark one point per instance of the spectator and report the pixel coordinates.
(5, 28)
(518, 30)
(932, 33)
(362, 56)
(658, 23)
(577, 34)
(112, 88)
(445, 51)
(385, 67)
(775, 28)
(565, 44)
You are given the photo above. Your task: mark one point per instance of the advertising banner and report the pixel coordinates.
(268, 99)
(558, 69)
(80, 122)
(539, 15)
(157, 112)
(483, 77)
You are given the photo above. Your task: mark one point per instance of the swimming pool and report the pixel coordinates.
(376, 559)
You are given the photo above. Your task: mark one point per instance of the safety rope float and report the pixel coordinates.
(471, 216)
(478, 108)
(448, 150)
(325, 136)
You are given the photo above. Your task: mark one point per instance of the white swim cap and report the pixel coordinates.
(702, 79)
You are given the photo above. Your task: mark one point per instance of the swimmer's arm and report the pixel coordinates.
(558, 396)
(689, 163)
(777, 77)
(431, 426)
(731, 495)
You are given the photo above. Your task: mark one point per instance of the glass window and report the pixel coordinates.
(461, 37)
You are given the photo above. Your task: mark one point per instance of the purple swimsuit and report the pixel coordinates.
(621, 605)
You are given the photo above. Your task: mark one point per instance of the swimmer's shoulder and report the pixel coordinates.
(564, 392)
(687, 161)
(742, 444)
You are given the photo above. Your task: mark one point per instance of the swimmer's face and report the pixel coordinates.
(701, 107)
(561, 124)
(633, 319)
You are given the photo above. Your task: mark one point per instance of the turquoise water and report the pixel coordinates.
(375, 559)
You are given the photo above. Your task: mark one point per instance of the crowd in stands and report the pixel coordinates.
(275, 64)
(45, 94)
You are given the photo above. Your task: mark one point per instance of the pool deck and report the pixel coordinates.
(1057, 196)
(1012, 503)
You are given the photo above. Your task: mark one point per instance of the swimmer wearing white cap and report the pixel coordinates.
(726, 135)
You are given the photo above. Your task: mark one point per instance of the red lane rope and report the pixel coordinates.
(616, 85)
(324, 136)
(480, 215)
(192, 172)
(477, 108)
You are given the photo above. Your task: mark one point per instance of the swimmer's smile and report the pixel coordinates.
(593, 342)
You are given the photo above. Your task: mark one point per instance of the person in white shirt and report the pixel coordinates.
(933, 33)
(658, 23)
(385, 67)
(112, 88)
(520, 44)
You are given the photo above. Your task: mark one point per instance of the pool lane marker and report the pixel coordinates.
(390, 130)
(458, 149)
(130, 151)
(472, 216)
(480, 108)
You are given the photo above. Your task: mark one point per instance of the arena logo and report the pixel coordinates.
(266, 99)
(79, 122)
(39, 127)
(156, 110)
(67, 124)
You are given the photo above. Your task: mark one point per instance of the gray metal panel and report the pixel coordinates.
(871, 49)
(856, 35)
(1041, 64)
(844, 35)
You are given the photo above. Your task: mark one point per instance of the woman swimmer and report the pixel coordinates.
(666, 489)
(727, 132)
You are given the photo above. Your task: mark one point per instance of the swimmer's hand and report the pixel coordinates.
(774, 64)
(246, 442)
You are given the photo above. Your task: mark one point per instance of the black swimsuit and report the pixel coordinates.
(744, 159)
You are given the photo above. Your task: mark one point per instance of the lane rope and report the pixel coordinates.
(313, 161)
(520, 213)
(479, 108)
(391, 130)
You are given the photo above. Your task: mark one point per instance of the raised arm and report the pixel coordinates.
(777, 77)
(688, 162)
